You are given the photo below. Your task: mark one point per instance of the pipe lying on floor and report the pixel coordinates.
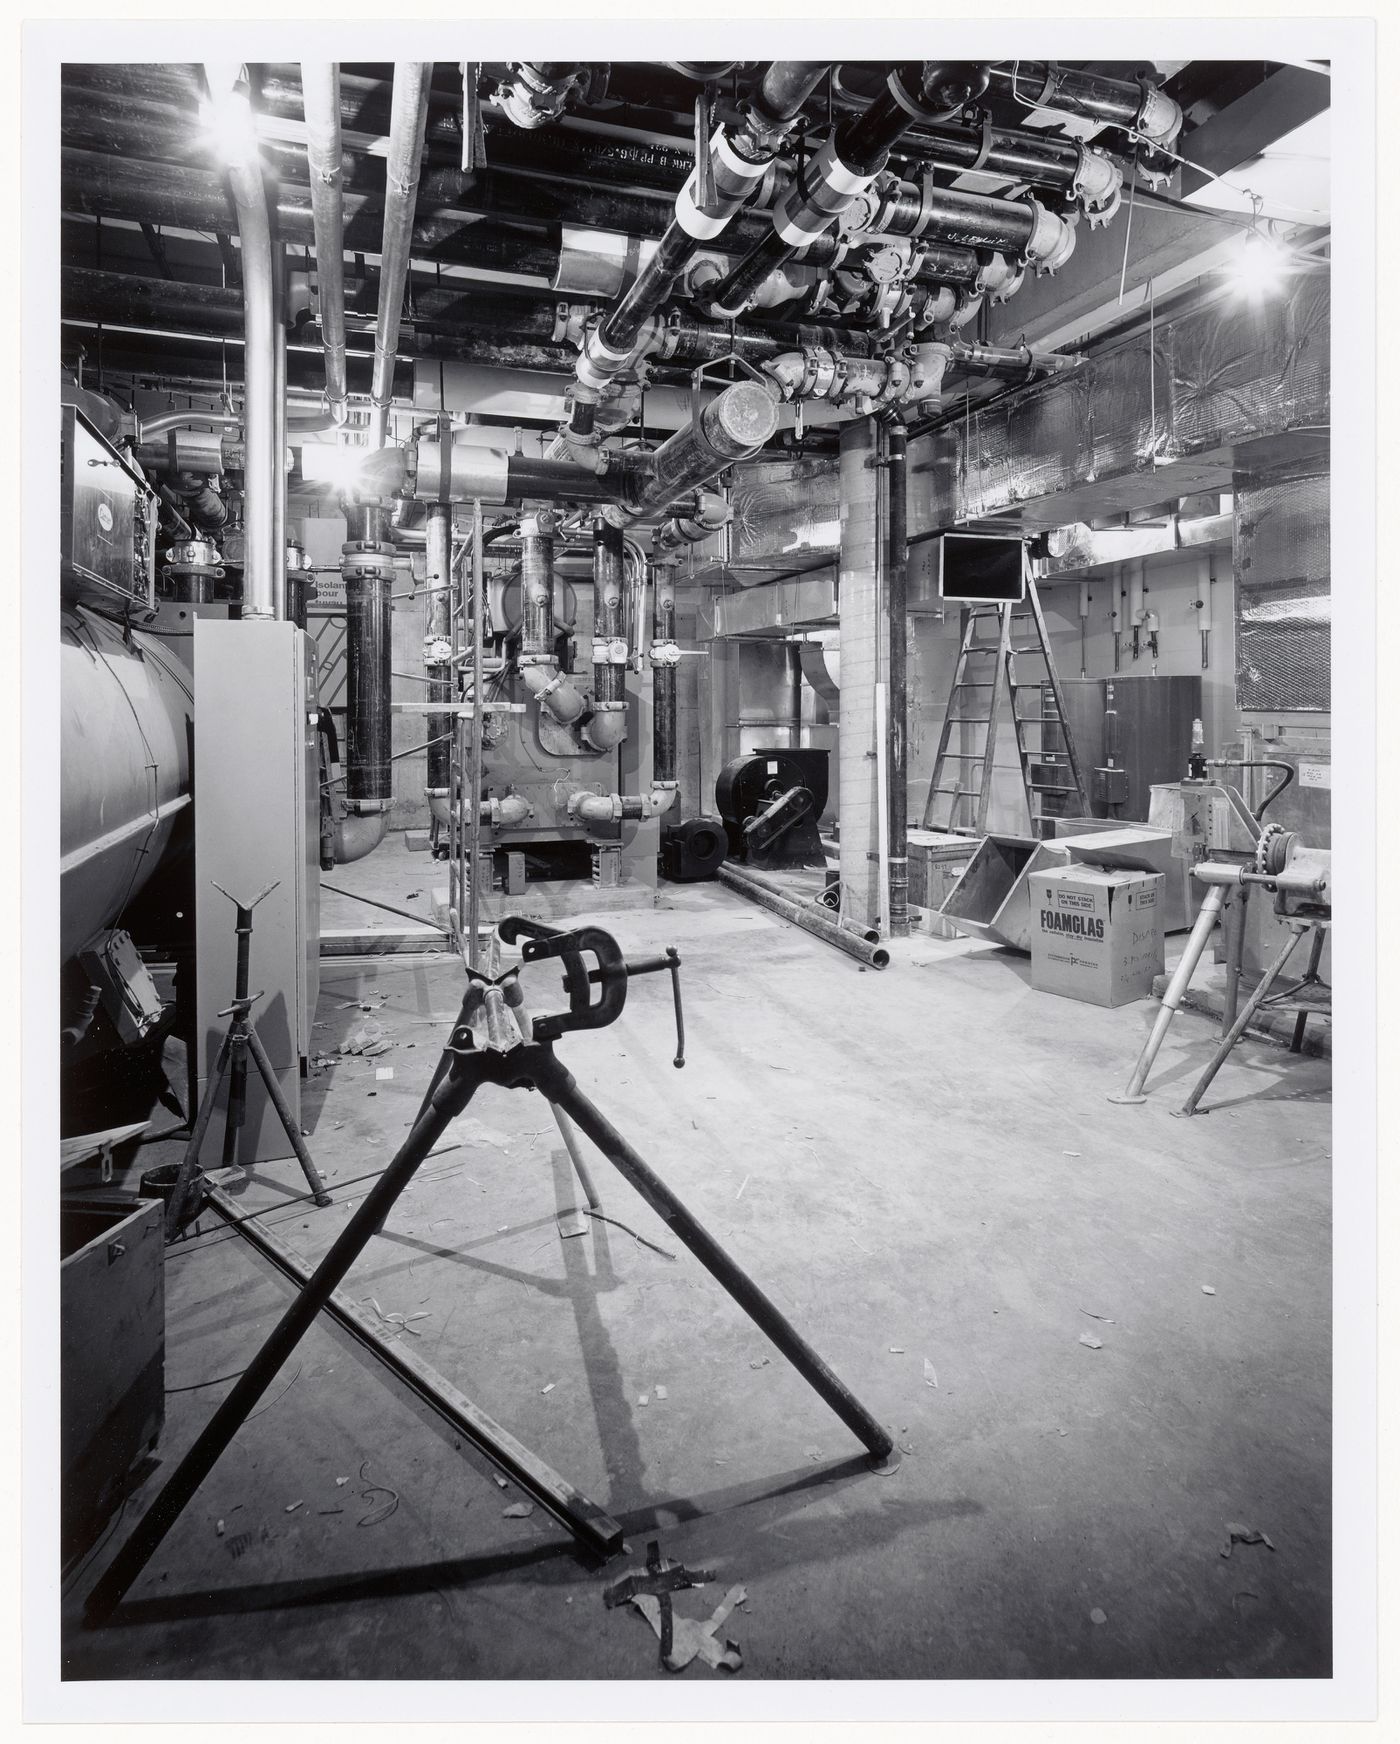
(800, 914)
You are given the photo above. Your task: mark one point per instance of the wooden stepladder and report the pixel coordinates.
(986, 670)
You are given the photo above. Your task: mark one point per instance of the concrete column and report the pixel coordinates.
(861, 896)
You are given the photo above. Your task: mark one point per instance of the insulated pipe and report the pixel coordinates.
(279, 429)
(263, 558)
(407, 120)
(804, 915)
(609, 648)
(537, 587)
(437, 644)
(850, 158)
(320, 89)
(464, 472)
(732, 426)
(897, 605)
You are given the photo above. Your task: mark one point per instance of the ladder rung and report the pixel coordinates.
(965, 756)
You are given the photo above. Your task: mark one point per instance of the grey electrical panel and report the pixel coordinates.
(107, 521)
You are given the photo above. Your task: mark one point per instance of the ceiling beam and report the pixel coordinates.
(1245, 129)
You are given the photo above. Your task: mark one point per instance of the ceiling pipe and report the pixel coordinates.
(732, 426)
(407, 120)
(739, 160)
(1133, 104)
(853, 154)
(264, 565)
(540, 91)
(320, 85)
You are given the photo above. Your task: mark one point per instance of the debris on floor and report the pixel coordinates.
(378, 1510)
(1245, 1535)
(518, 1511)
(361, 1040)
(930, 1374)
(691, 1640)
(1207, 1289)
(1087, 1338)
(1097, 1616)
(660, 1392)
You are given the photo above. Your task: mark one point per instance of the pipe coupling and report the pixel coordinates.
(534, 97)
(664, 654)
(437, 651)
(1097, 185)
(1051, 241)
(366, 560)
(609, 651)
(734, 177)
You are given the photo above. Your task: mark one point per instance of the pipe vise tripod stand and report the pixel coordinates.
(493, 1041)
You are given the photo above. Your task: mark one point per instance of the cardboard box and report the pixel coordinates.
(1096, 933)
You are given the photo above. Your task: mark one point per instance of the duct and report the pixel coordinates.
(850, 158)
(539, 91)
(264, 591)
(1283, 589)
(861, 897)
(320, 85)
(732, 426)
(1159, 413)
(126, 725)
(407, 121)
(738, 164)
(367, 566)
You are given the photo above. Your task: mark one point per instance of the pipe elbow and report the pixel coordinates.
(595, 808)
(358, 834)
(606, 727)
(554, 692)
(510, 811)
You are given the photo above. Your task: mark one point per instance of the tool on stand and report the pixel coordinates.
(240, 1040)
(1299, 879)
(493, 1043)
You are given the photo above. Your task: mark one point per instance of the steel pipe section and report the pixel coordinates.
(804, 915)
(437, 644)
(407, 121)
(368, 569)
(320, 84)
(264, 587)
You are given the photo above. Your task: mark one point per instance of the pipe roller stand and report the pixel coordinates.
(492, 1042)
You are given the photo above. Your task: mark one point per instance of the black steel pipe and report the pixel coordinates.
(953, 215)
(897, 726)
(804, 915)
(664, 673)
(368, 680)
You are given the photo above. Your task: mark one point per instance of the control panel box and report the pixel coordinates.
(107, 521)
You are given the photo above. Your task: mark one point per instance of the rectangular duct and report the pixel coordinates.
(1283, 590)
(1162, 413)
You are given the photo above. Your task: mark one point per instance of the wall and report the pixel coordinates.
(1173, 584)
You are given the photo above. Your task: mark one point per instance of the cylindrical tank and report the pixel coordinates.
(126, 707)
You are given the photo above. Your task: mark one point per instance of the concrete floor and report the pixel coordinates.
(922, 1169)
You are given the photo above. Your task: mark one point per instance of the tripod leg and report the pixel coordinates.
(1309, 977)
(456, 1092)
(239, 1031)
(1257, 998)
(189, 1162)
(570, 1138)
(1180, 981)
(289, 1125)
(557, 1083)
